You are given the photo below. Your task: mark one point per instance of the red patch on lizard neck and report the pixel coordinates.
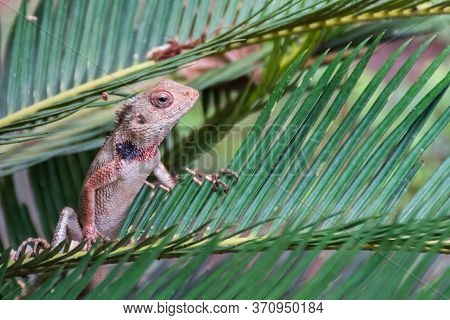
(148, 153)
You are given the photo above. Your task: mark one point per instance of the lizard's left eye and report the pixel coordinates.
(161, 98)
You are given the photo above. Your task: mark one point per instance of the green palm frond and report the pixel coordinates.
(84, 41)
(319, 210)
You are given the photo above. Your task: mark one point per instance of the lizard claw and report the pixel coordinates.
(38, 243)
(91, 235)
(230, 172)
(158, 185)
(198, 177)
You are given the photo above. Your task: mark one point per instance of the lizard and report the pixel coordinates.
(129, 155)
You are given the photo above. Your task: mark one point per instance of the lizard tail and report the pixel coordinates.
(98, 277)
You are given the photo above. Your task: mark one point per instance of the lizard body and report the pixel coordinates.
(121, 167)
(123, 164)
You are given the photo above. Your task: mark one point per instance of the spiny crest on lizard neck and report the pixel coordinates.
(149, 116)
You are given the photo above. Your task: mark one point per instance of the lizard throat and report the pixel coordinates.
(129, 151)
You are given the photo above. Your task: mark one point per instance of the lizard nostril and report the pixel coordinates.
(187, 93)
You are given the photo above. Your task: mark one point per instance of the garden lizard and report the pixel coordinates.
(123, 164)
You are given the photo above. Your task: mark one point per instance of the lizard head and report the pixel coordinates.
(149, 116)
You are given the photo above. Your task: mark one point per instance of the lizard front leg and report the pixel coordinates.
(167, 181)
(97, 180)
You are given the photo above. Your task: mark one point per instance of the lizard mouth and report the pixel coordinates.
(195, 95)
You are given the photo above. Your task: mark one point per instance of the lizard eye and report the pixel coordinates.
(161, 98)
(140, 119)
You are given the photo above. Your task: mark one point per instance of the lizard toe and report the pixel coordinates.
(214, 178)
(91, 236)
(36, 243)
